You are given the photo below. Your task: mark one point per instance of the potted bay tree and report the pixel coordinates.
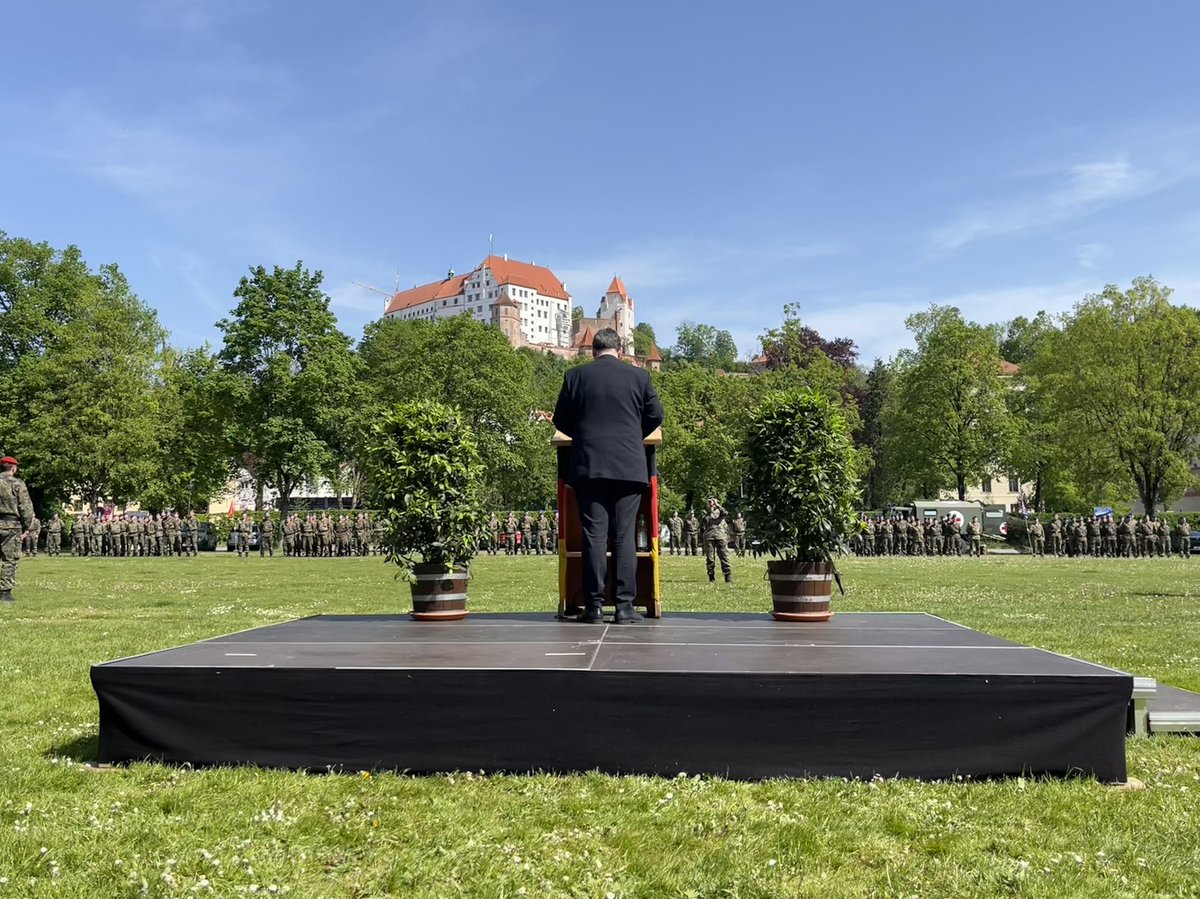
(425, 473)
(802, 493)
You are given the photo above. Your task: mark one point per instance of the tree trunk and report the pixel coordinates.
(962, 487)
(258, 494)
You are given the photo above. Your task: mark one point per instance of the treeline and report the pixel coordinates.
(98, 404)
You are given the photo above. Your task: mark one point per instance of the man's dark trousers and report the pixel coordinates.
(608, 511)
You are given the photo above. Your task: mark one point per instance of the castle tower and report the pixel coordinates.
(506, 315)
(617, 307)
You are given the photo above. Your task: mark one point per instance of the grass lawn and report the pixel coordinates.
(66, 831)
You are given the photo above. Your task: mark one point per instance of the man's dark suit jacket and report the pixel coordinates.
(607, 408)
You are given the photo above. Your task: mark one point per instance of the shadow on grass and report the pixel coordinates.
(85, 750)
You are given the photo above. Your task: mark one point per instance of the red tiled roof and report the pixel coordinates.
(617, 287)
(760, 359)
(654, 355)
(1008, 368)
(525, 274)
(405, 299)
(584, 338)
(505, 271)
(505, 300)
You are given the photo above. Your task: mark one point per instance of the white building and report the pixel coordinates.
(542, 299)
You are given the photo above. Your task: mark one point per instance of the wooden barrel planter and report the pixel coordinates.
(800, 591)
(437, 594)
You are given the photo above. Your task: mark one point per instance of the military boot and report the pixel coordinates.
(6, 596)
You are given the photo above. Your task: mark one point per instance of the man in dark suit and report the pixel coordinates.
(608, 408)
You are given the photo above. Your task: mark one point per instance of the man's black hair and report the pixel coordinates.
(606, 339)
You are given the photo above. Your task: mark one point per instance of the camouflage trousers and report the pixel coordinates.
(10, 554)
(716, 548)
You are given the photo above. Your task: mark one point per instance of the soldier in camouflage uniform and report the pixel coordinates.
(511, 527)
(675, 526)
(32, 535)
(975, 529)
(1184, 531)
(53, 535)
(16, 515)
(543, 532)
(493, 532)
(691, 534)
(716, 541)
(1056, 536)
(1037, 537)
(266, 536)
(1149, 534)
(738, 527)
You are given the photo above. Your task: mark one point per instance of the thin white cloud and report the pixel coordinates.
(1091, 255)
(1081, 190)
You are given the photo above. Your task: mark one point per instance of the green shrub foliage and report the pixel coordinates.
(426, 475)
(801, 476)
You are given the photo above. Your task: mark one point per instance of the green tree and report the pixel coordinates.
(795, 343)
(643, 339)
(947, 424)
(1019, 337)
(704, 345)
(877, 480)
(703, 431)
(471, 366)
(79, 353)
(192, 459)
(288, 375)
(1123, 377)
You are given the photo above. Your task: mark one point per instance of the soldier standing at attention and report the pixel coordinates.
(976, 531)
(1151, 531)
(527, 534)
(53, 535)
(493, 533)
(32, 536)
(1184, 530)
(241, 529)
(266, 536)
(675, 528)
(510, 534)
(739, 535)
(1164, 538)
(716, 541)
(16, 515)
(543, 529)
(691, 533)
(193, 542)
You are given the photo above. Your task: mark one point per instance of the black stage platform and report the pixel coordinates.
(741, 696)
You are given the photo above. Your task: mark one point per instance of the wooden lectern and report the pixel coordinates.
(570, 538)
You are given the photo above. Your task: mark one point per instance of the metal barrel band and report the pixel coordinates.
(801, 600)
(800, 577)
(449, 576)
(438, 597)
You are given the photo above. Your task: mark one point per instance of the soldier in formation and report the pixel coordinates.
(691, 533)
(903, 534)
(675, 529)
(53, 535)
(32, 535)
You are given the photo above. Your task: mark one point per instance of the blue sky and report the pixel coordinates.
(862, 159)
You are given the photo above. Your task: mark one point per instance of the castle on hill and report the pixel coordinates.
(528, 303)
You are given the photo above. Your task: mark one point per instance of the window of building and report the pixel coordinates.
(987, 485)
(1014, 484)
